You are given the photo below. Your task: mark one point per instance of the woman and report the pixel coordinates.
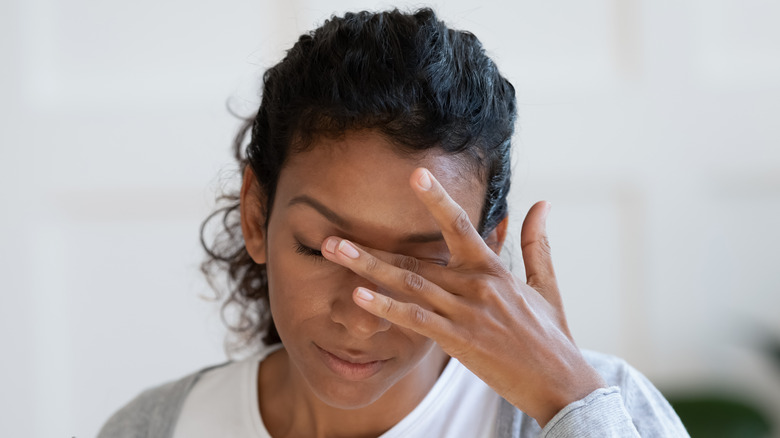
(364, 252)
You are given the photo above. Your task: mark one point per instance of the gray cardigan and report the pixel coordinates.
(631, 407)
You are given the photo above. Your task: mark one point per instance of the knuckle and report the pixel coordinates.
(544, 245)
(372, 264)
(413, 282)
(417, 315)
(481, 288)
(408, 263)
(389, 307)
(484, 291)
(534, 280)
(461, 224)
(473, 283)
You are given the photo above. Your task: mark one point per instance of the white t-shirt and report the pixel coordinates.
(223, 403)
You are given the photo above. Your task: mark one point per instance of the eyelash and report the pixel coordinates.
(305, 250)
(317, 254)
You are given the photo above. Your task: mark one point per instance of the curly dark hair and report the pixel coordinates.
(406, 76)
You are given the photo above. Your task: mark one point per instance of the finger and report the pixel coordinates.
(410, 285)
(429, 270)
(536, 252)
(437, 273)
(459, 233)
(407, 315)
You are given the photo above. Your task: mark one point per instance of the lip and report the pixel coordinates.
(350, 367)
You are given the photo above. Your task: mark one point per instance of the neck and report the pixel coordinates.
(289, 408)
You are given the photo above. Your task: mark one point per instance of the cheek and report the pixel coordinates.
(299, 287)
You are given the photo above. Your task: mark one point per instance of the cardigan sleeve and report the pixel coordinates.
(630, 407)
(601, 414)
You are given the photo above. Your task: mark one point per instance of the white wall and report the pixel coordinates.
(652, 126)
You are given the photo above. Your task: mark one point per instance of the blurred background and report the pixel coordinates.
(652, 126)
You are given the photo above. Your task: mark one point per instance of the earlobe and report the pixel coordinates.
(252, 217)
(495, 240)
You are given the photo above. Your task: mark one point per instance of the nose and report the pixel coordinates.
(358, 322)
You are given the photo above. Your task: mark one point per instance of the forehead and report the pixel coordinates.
(363, 177)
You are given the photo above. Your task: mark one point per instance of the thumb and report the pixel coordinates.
(537, 259)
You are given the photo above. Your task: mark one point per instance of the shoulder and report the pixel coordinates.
(153, 412)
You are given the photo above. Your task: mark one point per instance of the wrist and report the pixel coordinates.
(557, 400)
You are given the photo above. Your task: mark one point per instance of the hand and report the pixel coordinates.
(511, 334)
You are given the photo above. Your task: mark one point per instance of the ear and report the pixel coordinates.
(252, 217)
(495, 239)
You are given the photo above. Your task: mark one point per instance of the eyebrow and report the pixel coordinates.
(334, 218)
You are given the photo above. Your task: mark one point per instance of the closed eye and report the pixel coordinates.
(305, 250)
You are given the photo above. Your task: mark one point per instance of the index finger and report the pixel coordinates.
(460, 235)
(436, 273)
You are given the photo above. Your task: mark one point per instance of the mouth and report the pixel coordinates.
(348, 366)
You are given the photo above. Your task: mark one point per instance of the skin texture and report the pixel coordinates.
(402, 282)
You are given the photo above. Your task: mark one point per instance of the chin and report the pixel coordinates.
(346, 394)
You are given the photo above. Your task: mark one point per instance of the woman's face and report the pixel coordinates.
(355, 187)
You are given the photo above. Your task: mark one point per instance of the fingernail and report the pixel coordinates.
(425, 181)
(330, 245)
(348, 250)
(364, 294)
